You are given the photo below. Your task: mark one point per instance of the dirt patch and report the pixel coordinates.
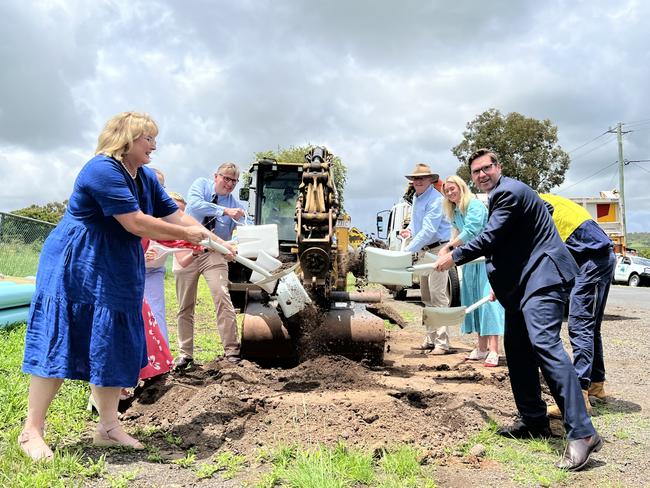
(433, 401)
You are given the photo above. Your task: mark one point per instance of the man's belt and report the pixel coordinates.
(434, 245)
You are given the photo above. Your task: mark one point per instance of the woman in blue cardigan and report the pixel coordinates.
(468, 216)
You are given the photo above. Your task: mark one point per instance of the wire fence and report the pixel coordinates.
(21, 241)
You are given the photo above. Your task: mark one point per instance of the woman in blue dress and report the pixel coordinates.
(85, 320)
(468, 217)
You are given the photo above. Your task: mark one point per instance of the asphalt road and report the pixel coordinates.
(626, 296)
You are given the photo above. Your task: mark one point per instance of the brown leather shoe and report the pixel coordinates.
(578, 451)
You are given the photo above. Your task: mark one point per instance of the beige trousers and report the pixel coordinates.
(433, 288)
(214, 269)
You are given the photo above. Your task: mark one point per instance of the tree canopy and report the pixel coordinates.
(528, 148)
(296, 154)
(50, 212)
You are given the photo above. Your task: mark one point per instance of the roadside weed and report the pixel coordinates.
(187, 461)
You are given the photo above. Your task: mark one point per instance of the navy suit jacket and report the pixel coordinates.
(523, 250)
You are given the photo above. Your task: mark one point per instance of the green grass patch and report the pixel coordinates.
(227, 463)
(19, 259)
(66, 421)
(529, 462)
(340, 466)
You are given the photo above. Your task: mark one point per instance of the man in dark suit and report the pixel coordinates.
(531, 273)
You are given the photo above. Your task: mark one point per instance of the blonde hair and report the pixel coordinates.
(466, 196)
(176, 196)
(116, 139)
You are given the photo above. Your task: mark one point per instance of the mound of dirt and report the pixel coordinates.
(433, 401)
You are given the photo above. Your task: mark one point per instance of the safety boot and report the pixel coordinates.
(597, 390)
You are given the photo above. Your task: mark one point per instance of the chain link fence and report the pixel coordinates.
(21, 240)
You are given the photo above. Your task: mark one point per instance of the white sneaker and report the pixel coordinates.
(477, 355)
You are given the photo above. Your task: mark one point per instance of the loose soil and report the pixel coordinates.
(434, 402)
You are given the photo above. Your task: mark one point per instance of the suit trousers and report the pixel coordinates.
(435, 293)
(214, 269)
(532, 341)
(586, 310)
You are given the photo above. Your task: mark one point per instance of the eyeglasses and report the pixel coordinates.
(419, 178)
(229, 179)
(485, 169)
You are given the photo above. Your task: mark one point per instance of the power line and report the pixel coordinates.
(588, 142)
(594, 148)
(639, 166)
(638, 121)
(588, 177)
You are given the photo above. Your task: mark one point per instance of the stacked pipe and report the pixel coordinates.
(14, 301)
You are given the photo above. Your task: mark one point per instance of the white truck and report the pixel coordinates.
(399, 217)
(633, 270)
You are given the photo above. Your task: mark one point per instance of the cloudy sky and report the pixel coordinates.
(383, 84)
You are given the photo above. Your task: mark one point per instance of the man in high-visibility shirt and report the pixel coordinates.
(592, 250)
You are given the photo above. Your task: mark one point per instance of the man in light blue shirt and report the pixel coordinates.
(211, 203)
(430, 231)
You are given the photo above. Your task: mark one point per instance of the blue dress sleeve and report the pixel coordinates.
(103, 181)
(475, 220)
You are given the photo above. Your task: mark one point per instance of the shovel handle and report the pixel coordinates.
(240, 259)
(476, 305)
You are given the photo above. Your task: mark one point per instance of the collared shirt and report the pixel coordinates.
(205, 205)
(428, 224)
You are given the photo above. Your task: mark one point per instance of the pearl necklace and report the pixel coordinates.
(127, 170)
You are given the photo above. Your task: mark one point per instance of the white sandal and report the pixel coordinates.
(492, 360)
(477, 355)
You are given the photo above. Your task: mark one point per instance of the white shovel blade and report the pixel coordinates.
(435, 317)
(291, 295)
(388, 267)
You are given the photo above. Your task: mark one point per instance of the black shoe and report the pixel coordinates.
(183, 363)
(577, 452)
(520, 430)
(233, 359)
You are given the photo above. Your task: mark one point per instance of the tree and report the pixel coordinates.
(50, 212)
(527, 148)
(296, 154)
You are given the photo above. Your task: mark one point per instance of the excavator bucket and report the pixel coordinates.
(345, 329)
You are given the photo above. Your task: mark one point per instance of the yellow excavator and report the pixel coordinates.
(302, 200)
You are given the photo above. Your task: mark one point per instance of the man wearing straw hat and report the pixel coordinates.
(531, 273)
(430, 232)
(210, 201)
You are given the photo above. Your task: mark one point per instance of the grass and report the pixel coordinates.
(340, 467)
(529, 462)
(19, 259)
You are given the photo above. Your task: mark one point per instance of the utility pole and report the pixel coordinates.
(621, 178)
